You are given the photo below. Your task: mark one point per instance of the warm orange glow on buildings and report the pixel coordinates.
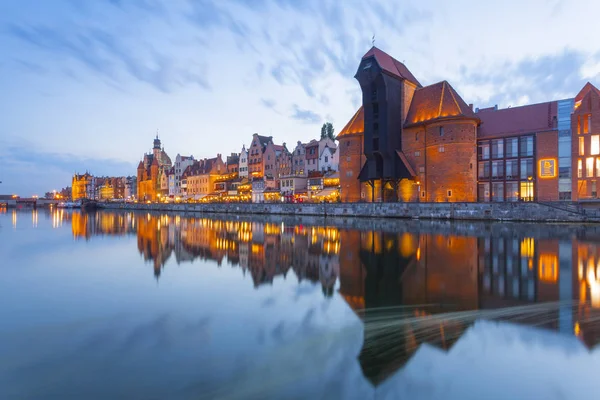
(548, 268)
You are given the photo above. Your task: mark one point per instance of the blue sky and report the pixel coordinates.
(87, 84)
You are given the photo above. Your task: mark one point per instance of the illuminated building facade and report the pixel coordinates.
(150, 173)
(585, 125)
(198, 180)
(83, 186)
(413, 143)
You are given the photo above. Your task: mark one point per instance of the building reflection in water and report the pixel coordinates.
(422, 285)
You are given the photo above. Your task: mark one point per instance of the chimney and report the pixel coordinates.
(471, 106)
(496, 107)
(477, 110)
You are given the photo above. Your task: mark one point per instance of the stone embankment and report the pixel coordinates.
(533, 212)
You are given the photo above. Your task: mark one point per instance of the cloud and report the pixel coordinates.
(24, 168)
(268, 103)
(306, 116)
(106, 54)
(550, 77)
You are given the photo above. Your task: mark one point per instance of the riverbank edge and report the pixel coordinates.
(521, 212)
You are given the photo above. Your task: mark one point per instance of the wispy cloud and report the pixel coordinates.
(550, 77)
(24, 167)
(105, 54)
(306, 116)
(268, 103)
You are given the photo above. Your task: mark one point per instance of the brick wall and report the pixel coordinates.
(547, 148)
(447, 163)
(351, 161)
(590, 105)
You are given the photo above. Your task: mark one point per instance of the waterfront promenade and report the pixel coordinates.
(532, 212)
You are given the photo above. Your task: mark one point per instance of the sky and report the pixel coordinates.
(86, 85)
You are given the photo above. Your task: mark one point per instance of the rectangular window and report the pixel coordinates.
(376, 144)
(586, 123)
(498, 148)
(512, 169)
(441, 149)
(527, 191)
(579, 168)
(449, 193)
(581, 146)
(483, 192)
(498, 191)
(526, 146)
(417, 154)
(497, 170)
(483, 151)
(484, 170)
(589, 167)
(564, 172)
(421, 170)
(441, 131)
(512, 191)
(595, 146)
(526, 168)
(375, 110)
(512, 147)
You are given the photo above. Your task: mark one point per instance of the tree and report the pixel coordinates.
(327, 131)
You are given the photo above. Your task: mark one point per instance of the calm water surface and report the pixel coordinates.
(152, 306)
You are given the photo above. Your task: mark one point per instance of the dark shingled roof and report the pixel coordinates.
(390, 65)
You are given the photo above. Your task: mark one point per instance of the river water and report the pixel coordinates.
(152, 306)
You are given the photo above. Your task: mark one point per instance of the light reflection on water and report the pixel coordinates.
(248, 294)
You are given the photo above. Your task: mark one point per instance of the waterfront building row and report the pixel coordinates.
(409, 142)
(88, 186)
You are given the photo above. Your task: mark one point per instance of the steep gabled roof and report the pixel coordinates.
(588, 87)
(264, 140)
(390, 65)
(437, 102)
(355, 125)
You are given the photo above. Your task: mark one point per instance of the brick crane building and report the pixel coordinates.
(409, 142)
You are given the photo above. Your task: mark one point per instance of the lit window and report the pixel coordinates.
(589, 167)
(441, 149)
(417, 153)
(598, 167)
(595, 147)
(581, 146)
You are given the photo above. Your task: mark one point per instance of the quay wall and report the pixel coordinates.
(533, 212)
